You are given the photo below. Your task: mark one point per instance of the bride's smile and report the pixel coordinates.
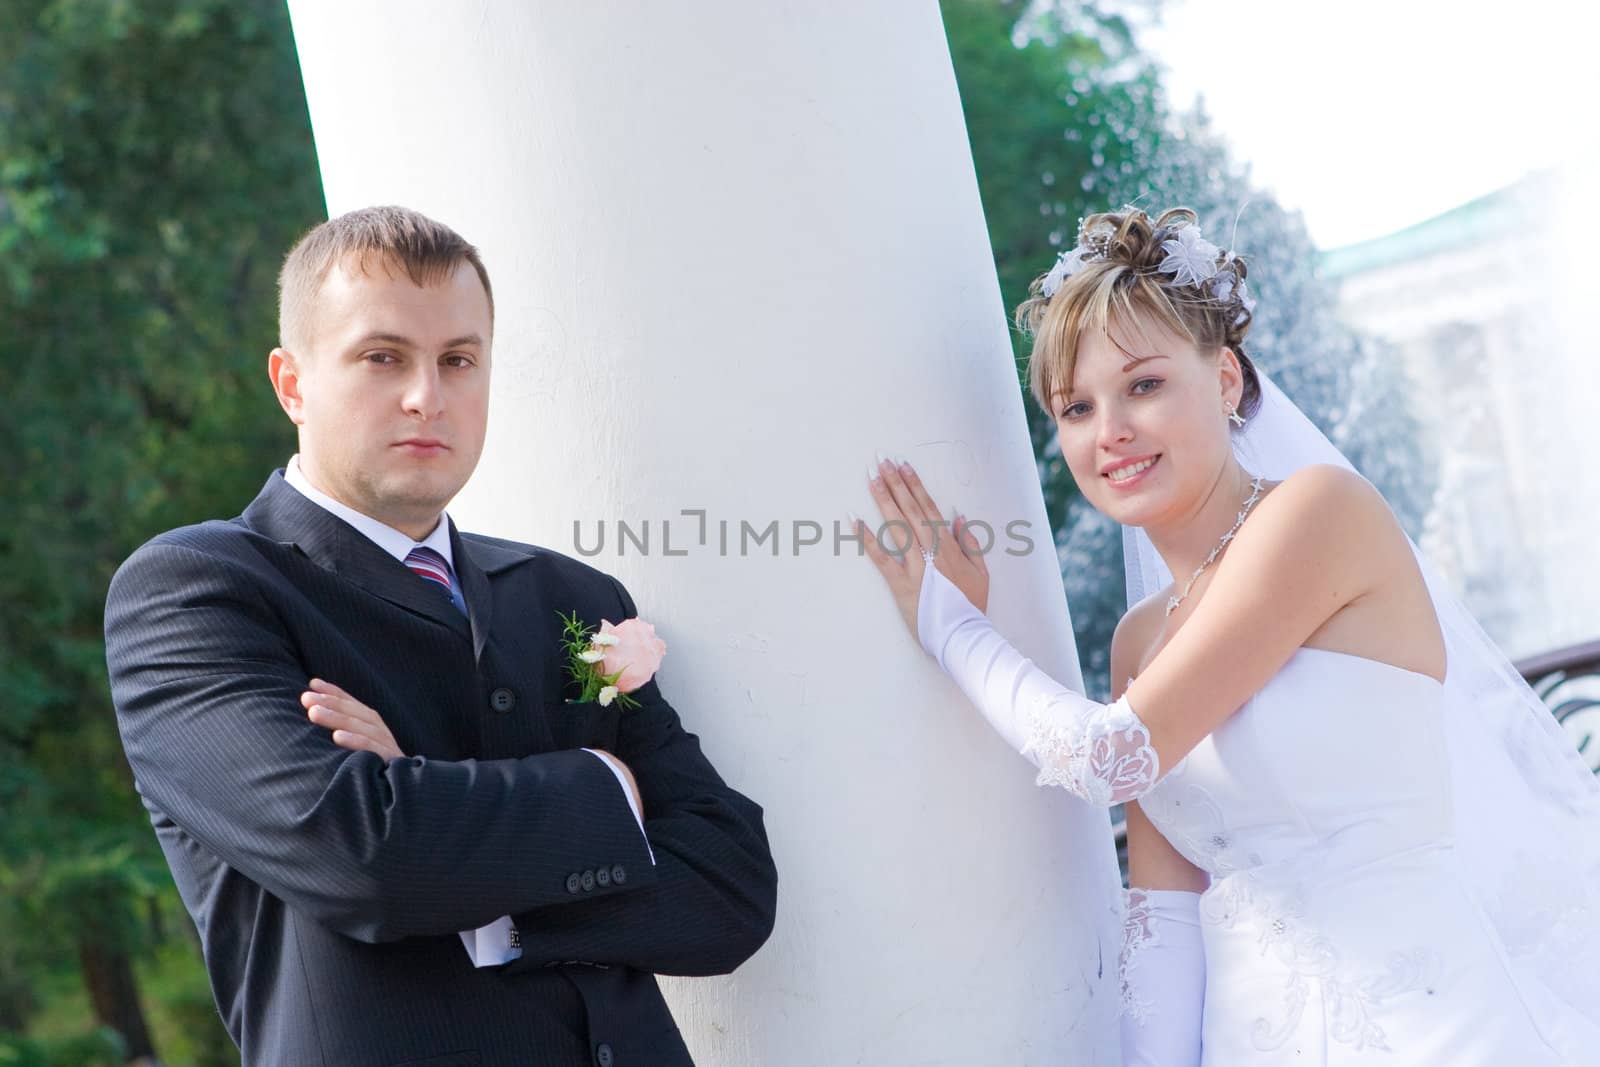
(1140, 431)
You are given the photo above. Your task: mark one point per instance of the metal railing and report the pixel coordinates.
(1567, 679)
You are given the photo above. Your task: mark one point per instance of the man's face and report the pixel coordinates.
(391, 392)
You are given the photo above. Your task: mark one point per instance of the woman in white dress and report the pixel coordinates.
(1354, 835)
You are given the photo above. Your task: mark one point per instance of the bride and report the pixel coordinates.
(1354, 834)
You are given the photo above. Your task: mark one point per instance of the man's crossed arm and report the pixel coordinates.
(207, 687)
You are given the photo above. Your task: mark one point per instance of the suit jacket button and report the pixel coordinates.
(603, 1056)
(618, 875)
(574, 883)
(502, 699)
(602, 876)
(588, 881)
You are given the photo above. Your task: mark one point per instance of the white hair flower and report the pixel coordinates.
(1066, 265)
(1191, 259)
(1247, 302)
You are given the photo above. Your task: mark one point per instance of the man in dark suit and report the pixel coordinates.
(504, 892)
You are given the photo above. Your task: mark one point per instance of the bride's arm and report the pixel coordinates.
(1317, 543)
(1308, 550)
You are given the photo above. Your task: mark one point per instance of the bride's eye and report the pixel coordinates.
(1152, 382)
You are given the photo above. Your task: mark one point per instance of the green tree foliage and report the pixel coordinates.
(155, 163)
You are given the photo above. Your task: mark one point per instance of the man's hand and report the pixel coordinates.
(355, 726)
(361, 729)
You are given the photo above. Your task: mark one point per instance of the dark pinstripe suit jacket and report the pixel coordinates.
(328, 886)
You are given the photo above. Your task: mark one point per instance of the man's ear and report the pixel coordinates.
(283, 368)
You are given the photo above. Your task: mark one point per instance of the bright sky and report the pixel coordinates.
(1370, 115)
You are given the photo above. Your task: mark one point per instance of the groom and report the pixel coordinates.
(504, 892)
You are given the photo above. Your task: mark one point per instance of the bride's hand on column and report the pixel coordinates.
(909, 514)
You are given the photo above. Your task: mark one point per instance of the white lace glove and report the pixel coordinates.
(1163, 970)
(1100, 752)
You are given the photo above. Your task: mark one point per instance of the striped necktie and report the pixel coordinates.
(428, 564)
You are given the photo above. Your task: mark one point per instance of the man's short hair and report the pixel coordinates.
(428, 252)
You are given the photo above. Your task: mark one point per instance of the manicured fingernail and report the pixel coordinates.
(872, 474)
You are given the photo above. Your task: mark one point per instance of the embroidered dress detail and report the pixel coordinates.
(1308, 962)
(1137, 933)
(1100, 752)
(1103, 756)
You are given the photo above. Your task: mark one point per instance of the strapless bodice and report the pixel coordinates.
(1337, 760)
(1337, 927)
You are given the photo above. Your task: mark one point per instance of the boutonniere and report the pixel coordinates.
(612, 663)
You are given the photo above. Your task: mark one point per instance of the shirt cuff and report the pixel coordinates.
(497, 943)
(492, 945)
(633, 805)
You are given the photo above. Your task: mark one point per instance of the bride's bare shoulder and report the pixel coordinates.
(1325, 510)
(1318, 488)
(1134, 636)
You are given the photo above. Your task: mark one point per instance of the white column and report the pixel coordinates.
(737, 247)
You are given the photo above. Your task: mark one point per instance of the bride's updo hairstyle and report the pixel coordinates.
(1126, 267)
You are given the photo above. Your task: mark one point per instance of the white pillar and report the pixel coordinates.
(736, 247)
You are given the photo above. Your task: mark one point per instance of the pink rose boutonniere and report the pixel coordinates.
(614, 662)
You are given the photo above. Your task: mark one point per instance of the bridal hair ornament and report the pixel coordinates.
(1191, 260)
(1090, 246)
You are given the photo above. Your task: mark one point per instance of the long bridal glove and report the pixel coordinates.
(1163, 969)
(1100, 752)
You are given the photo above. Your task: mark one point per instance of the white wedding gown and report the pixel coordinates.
(1401, 872)
(1344, 924)
(1337, 929)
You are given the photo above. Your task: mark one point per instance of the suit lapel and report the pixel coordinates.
(476, 588)
(539, 596)
(284, 514)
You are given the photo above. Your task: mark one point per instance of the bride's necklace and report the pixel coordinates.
(1255, 493)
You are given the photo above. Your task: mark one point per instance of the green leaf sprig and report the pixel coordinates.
(584, 649)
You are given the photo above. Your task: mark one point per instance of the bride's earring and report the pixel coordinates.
(1234, 417)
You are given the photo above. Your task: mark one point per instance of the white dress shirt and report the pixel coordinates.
(492, 944)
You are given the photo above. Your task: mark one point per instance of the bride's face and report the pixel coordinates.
(1144, 428)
